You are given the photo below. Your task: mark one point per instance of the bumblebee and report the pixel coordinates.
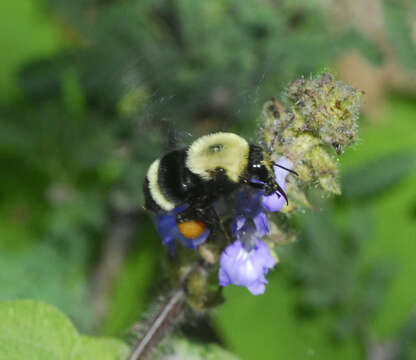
(213, 166)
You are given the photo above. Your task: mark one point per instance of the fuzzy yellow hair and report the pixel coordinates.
(154, 187)
(220, 150)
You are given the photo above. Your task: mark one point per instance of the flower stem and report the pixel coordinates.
(161, 324)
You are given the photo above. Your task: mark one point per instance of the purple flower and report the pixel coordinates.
(244, 228)
(244, 267)
(247, 260)
(167, 228)
(276, 201)
(250, 221)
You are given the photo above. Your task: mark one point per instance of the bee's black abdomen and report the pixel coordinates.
(176, 182)
(149, 203)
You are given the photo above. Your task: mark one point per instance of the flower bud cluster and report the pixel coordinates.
(318, 119)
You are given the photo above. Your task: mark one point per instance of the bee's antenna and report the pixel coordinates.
(285, 168)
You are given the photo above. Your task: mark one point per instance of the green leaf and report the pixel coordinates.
(26, 34)
(377, 175)
(398, 23)
(393, 237)
(100, 348)
(355, 39)
(183, 349)
(37, 331)
(266, 327)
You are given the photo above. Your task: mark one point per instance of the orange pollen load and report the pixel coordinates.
(191, 229)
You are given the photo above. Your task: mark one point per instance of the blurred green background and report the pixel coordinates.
(91, 91)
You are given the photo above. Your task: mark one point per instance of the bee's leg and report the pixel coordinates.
(188, 214)
(209, 217)
(205, 214)
(254, 185)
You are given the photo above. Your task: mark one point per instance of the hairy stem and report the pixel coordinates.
(161, 324)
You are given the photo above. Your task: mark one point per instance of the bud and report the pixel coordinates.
(315, 122)
(318, 114)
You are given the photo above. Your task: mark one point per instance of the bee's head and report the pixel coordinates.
(260, 170)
